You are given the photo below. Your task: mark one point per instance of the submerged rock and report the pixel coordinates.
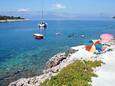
(12, 74)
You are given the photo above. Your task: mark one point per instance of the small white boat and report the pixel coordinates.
(38, 36)
(42, 25)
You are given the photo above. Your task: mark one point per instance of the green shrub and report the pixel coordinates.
(77, 74)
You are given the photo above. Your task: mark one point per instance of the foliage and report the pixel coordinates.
(9, 17)
(77, 74)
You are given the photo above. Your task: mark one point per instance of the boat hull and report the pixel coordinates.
(38, 36)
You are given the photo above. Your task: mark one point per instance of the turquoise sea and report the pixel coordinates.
(23, 56)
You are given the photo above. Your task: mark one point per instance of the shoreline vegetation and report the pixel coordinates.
(78, 73)
(4, 19)
(77, 67)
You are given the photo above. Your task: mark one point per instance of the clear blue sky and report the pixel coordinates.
(79, 7)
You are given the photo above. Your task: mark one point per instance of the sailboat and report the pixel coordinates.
(42, 24)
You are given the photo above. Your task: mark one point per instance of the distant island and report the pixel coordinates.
(11, 19)
(113, 17)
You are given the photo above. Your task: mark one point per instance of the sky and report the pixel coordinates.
(68, 9)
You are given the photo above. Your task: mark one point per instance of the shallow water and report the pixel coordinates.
(23, 56)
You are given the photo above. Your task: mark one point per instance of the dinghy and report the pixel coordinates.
(38, 36)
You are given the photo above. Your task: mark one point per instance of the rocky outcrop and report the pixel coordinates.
(55, 60)
(35, 81)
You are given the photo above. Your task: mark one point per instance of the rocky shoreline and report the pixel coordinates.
(53, 66)
(57, 63)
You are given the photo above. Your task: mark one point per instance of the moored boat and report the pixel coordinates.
(42, 25)
(38, 36)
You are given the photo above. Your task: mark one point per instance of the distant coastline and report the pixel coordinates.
(113, 17)
(4, 19)
(13, 20)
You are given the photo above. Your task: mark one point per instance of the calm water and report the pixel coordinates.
(19, 51)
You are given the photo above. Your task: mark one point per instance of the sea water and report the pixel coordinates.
(23, 56)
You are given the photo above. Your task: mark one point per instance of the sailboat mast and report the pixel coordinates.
(42, 10)
(42, 24)
(42, 14)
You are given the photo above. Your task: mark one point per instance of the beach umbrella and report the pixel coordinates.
(106, 37)
(94, 46)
